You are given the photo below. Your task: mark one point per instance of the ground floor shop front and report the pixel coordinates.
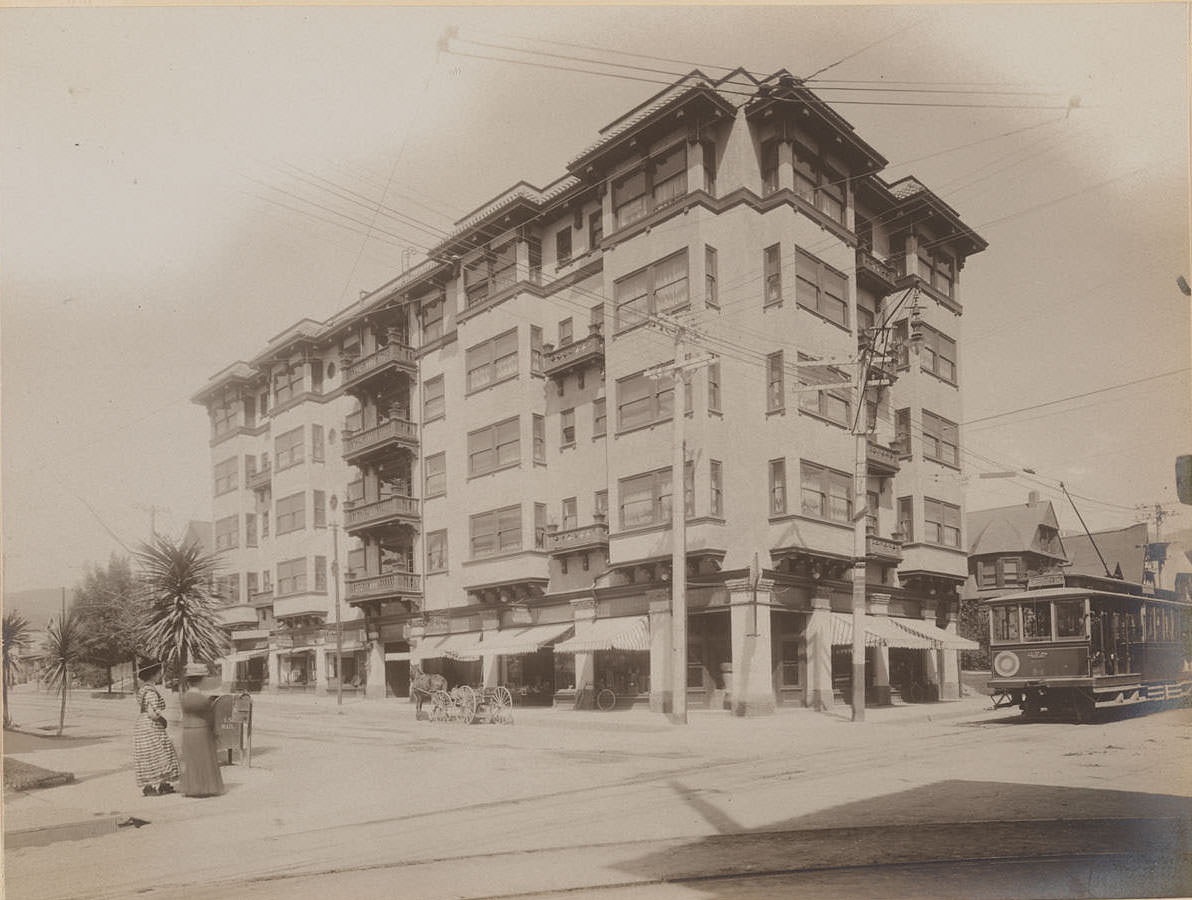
(749, 649)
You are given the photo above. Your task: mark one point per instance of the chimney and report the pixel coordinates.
(1032, 499)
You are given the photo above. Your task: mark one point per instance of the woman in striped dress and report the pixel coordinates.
(153, 754)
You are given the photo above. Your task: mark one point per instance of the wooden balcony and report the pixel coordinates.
(394, 434)
(879, 276)
(391, 585)
(883, 549)
(576, 355)
(394, 510)
(393, 358)
(881, 461)
(574, 540)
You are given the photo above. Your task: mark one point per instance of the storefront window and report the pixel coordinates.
(625, 672)
(564, 671)
(530, 678)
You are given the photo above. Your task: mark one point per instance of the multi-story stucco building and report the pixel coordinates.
(500, 449)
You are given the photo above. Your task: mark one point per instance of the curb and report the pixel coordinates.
(67, 831)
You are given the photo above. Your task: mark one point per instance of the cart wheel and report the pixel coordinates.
(505, 712)
(468, 704)
(606, 700)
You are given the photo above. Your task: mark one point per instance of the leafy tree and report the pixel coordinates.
(18, 637)
(65, 648)
(106, 604)
(973, 623)
(178, 614)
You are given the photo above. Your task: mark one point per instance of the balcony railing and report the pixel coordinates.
(881, 460)
(883, 548)
(394, 431)
(885, 274)
(585, 537)
(574, 355)
(387, 585)
(259, 479)
(379, 512)
(394, 355)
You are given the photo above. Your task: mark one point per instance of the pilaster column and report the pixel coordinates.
(374, 687)
(931, 658)
(584, 612)
(752, 692)
(879, 694)
(950, 669)
(490, 669)
(274, 661)
(227, 674)
(819, 655)
(786, 165)
(661, 686)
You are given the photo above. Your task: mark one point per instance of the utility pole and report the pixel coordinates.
(339, 625)
(862, 364)
(680, 370)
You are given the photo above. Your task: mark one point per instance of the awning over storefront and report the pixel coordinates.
(514, 641)
(622, 633)
(880, 631)
(943, 640)
(437, 646)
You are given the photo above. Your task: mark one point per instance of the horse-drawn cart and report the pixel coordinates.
(468, 704)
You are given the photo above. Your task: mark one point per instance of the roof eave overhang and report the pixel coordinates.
(239, 373)
(697, 100)
(958, 234)
(863, 158)
(515, 211)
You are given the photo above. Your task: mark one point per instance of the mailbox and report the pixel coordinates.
(232, 719)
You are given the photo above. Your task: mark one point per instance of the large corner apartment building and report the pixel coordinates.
(485, 437)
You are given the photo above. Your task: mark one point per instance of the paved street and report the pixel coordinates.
(371, 803)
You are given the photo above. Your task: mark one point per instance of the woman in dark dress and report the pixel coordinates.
(153, 754)
(200, 767)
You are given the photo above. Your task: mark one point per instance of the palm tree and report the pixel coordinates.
(65, 646)
(18, 637)
(178, 616)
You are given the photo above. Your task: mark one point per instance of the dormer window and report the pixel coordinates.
(660, 180)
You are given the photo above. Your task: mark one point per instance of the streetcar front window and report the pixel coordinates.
(1003, 623)
(1069, 618)
(1036, 621)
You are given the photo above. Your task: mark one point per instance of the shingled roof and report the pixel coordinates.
(1011, 529)
(1125, 547)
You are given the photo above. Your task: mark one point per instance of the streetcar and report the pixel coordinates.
(1069, 645)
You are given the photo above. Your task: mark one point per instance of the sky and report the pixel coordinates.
(178, 185)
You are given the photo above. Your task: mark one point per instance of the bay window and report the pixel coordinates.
(827, 493)
(659, 287)
(660, 180)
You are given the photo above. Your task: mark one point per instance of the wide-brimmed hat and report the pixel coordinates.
(195, 670)
(148, 668)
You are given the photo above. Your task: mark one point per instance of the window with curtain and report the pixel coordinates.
(494, 447)
(821, 288)
(492, 361)
(827, 493)
(497, 531)
(659, 287)
(642, 400)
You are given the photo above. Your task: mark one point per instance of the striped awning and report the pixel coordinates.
(880, 631)
(623, 633)
(512, 641)
(943, 640)
(445, 645)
